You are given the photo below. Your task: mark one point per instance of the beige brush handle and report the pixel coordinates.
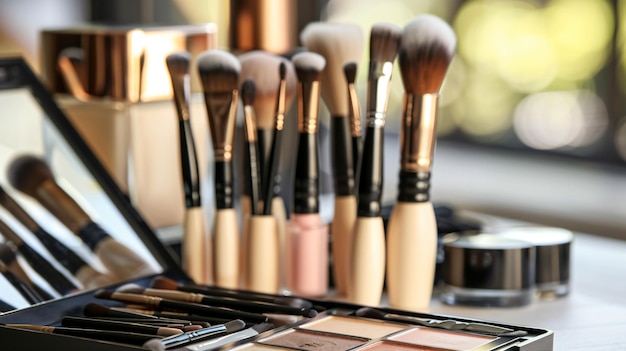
(263, 255)
(92, 279)
(411, 255)
(279, 212)
(342, 229)
(367, 268)
(226, 248)
(196, 255)
(121, 261)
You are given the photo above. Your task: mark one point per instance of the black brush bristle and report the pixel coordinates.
(248, 92)
(349, 71)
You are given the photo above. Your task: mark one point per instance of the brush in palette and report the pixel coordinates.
(426, 49)
(338, 43)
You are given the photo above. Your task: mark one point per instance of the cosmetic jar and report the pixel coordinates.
(552, 257)
(485, 269)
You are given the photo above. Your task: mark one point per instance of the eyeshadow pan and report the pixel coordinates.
(313, 341)
(393, 346)
(258, 347)
(365, 328)
(442, 339)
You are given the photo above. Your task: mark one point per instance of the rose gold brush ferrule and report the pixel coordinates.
(355, 111)
(174, 295)
(222, 109)
(418, 134)
(62, 206)
(281, 105)
(378, 93)
(308, 102)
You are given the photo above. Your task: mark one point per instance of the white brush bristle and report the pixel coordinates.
(308, 61)
(425, 30)
(218, 60)
(338, 43)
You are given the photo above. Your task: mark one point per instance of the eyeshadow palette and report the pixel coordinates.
(155, 305)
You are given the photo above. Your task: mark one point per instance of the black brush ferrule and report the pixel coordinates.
(414, 186)
(224, 185)
(343, 164)
(371, 179)
(306, 185)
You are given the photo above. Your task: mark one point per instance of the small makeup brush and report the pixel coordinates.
(349, 70)
(426, 49)
(242, 305)
(27, 292)
(32, 176)
(211, 332)
(93, 323)
(88, 276)
(196, 243)
(367, 268)
(9, 258)
(57, 280)
(166, 283)
(261, 265)
(219, 75)
(307, 235)
(338, 43)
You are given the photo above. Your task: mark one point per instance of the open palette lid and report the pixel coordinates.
(35, 138)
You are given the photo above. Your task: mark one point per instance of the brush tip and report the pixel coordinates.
(131, 288)
(282, 71)
(178, 62)
(369, 312)
(25, 173)
(263, 327)
(384, 42)
(248, 92)
(7, 255)
(103, 294)
(308, 62)
(164, 283)
(93, 309)
(218, 61)
(349, 71)
(234, 325)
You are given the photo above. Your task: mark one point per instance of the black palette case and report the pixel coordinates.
(33, 125)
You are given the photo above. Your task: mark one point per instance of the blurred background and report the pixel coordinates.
(533, 116)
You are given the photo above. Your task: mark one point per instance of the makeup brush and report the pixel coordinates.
(57, 280)
(242, 305)
(260, 244)
(93, 323)
(219, 74)
(338, 43)
(88, 276)
(166, 283)
(169, 304)
(107, 335)
(9, 258)
(307, 235)
(367, 268)
(193, 319)
(215, 343)
(349, 71)
(32, 176)
(196, 243)
(426, 49)
(27, 292)
(194, 336)
(97, 310)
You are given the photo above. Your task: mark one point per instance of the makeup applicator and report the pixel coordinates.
(338, 43)
(426, 49)
(88, 276)
(307, 235)
(349, 71)
(32, 176)
(196, 244)
(260, 246)
(27, 292)
(219, 75)
(9, 258)
(367, 268)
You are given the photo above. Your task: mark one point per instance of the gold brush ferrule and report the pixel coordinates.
(281, 105)
(250, 124)
(418, 134)
(222, 110)
(378, 89)
(308, 103)
(181, 89)
(355, 111)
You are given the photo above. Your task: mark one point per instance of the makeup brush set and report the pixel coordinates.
(82, 270)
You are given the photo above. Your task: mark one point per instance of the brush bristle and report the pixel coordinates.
(103, 294)
(426, 49)
(261, 66)
(178, 63)
(370, 313)
(384, 42)
(164, 283)
(26, 173)
(248, 92)
(219, 71)
(74, 54)
(309, 65)
(7, 255)
(349, 71)
(95, 310)
(234, 325)
(282, 71)
(130, 288)
(338, 43)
